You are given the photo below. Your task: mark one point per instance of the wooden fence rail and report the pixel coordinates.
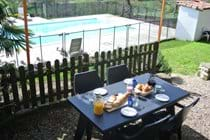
(36, 86)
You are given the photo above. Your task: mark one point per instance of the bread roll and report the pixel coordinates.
(108, 105)
(139, 86)
(144, 87)
(112, 99)
(121, 99)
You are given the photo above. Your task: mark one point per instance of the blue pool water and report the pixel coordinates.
(50, 30)
(47, 28)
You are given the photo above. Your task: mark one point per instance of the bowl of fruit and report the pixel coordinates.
(143, 89)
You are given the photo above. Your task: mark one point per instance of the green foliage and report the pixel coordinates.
(184, 56)
(6, 67)
(3, 5)
(12, 38)
(162, 64)
(13, 5)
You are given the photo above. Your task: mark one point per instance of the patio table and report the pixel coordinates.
(109, 121)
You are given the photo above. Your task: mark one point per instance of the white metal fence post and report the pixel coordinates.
(114, 38)
(83, 40)
(149, 32)
(139, 33)
(99, 40)
(127, 35)
(40, 45)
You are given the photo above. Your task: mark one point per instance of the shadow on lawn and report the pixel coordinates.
(204, 41)
(173, 44)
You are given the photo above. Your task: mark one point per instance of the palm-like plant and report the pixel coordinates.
(12, 38)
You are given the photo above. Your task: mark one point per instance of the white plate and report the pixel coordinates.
(128, 81)
(162, 97)
(100, 91)
(129, 111)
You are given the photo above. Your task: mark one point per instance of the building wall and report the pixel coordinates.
(191, 23)
(203, 24)
(186, 23)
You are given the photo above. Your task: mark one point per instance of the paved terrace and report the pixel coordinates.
(59, 122)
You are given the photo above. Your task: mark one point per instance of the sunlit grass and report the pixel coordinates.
(185, 57)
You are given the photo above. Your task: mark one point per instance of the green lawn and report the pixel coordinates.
(184, 57)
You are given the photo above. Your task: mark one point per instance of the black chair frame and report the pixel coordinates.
(117, 73)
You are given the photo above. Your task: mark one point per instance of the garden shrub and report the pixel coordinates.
(162, 64)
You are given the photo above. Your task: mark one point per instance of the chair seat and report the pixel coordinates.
(76, 54)
(141, 131)
(155, 116)
(130, 129)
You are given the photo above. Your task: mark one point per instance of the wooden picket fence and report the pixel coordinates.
(31, 87)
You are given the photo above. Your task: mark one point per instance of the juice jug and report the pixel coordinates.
(98, 105)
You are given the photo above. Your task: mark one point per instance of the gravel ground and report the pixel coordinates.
(59, 122)
(197, 125)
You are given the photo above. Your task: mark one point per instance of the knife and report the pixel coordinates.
(142, 98)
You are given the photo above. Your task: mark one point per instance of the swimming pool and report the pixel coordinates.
(52, 30)
(53, 27)
(47, 50)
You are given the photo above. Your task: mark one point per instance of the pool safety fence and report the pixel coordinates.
(46, 83)
(97, 38)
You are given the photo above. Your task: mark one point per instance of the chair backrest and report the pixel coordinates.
(75, 45)
(176, 121)
(117, 73)
(86, 81)
(147, 132)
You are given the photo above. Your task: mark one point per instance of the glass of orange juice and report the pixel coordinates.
(98, 106)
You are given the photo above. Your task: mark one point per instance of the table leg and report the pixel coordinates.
(171, 110)
(107, 136)
(81, 126)
(89, 131)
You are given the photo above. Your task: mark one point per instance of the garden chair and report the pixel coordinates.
(117, 73)
(174, 124)
(6, 113)
(75, 47)
(86, 81)
(205, 34)
(62, 51)
(83, 82)
(148, 131)
(7, 120)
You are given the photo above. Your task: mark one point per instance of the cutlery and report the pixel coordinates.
(142, 98)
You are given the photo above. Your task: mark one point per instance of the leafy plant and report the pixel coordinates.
(12, 38)
(162, 64)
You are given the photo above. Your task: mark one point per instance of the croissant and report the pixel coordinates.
(112, 98)
(139, 86)
(121, 99)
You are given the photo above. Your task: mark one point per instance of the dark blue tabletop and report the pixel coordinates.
(114, 119)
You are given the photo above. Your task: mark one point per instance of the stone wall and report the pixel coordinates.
(204, 71)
